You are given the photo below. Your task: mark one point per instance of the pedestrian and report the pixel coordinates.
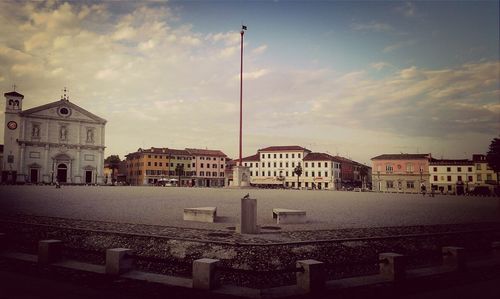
(57, 184)
(422, 189)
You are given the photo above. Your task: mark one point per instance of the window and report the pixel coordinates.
(306, 164)
(293, 164)
(293, 156)
(286, 156)
(274, 156)
(156, 157)
(269, 156)
(149, 156)
(389, 184)
(307, 184)
(298, 155)
(488, 177)
(263, 173)
(215, 165)
(156, 163)
(161, 164)
(222, 174)
(281, 164)
(268, 173)
(263, 164)
(286, 173)
(470, 178)
(449, 187)
(469, 169)
(215, 173)
(286, 164)
(435, 178)
(208, 173)
(478, 166)
(435, 169)
(459, 178)
(306, 174)
(326, 174)
(149, 163)
(246, 164)
(410, 185)
(201, 165)
(326, 165)
(251, 173)
(274, 173)
(388, 168)
(173, 165)
(251, 164)
(281, 156)
(459, 169)
(479, 177)
(274, 164)
(448, 169)
(448, 178)
(202, 173)
(312, 173)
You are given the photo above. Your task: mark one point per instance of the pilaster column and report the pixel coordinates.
(21, 159)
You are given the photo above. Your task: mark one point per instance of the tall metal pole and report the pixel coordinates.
(241, 94)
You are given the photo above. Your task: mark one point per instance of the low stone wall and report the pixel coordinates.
(167, 255)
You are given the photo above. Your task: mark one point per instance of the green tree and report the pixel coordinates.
(113, 162)
(298, 172)
(493, 158)
(179, 170)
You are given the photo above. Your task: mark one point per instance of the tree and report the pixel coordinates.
(298, 172)
(179, 169)
(493, 158)
(113, 162)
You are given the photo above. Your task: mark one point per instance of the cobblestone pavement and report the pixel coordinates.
(326, 210)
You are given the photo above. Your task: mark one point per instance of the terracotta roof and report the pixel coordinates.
(255, 157)
(320, 157)
(13, 93)
(205, 152)
(402, 157)
(451, 162)
(283, 148)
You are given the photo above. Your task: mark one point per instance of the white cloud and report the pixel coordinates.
(399, 45)
(259, 50)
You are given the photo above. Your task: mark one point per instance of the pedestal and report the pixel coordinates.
(241, 177)
(248, 221)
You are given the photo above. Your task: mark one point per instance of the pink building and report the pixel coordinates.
(207, 167)
(400, 172)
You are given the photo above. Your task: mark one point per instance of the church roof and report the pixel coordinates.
(65, 103)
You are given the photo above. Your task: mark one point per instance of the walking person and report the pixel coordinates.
(422, 189)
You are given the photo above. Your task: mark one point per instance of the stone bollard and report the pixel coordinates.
(454, 257)
(49, 251)
(392, 266)
(312, 279)
(248, 221)
(205, 274)
(495, 248)
(118, 260)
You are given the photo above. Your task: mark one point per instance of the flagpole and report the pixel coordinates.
(241, 92)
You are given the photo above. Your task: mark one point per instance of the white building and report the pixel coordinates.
(275, 165)
(321, 171)
(57, 141)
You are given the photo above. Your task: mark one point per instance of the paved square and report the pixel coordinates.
(165, 205)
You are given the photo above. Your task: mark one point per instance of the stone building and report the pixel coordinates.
(56, 141)
(400, 172)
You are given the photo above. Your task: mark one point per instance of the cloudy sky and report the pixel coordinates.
(354, 78)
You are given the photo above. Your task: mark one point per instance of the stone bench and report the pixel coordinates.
(202, 214)
(284, 216)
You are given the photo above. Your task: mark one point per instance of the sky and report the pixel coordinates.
(358, 79)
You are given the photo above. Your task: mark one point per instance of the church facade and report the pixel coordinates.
(58, 141)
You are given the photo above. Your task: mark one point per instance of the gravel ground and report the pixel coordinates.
(325, 209)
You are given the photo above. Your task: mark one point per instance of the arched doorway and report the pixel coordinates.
(62, 173)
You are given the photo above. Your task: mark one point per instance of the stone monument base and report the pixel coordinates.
(241, 177)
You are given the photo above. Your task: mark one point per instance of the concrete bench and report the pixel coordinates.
(284, 216)
(202, 214)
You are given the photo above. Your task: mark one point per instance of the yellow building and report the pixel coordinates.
(154, 165)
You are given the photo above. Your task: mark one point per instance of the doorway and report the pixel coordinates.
(62, 173)
(34, 176)
(88, 176)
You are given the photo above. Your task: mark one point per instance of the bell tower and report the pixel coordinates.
(12, 129)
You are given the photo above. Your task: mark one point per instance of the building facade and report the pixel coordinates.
(484, 176)
(321, 171)
(400, 172)
(451, 176)
(59, 141)
(151, 166)
(208, 167)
